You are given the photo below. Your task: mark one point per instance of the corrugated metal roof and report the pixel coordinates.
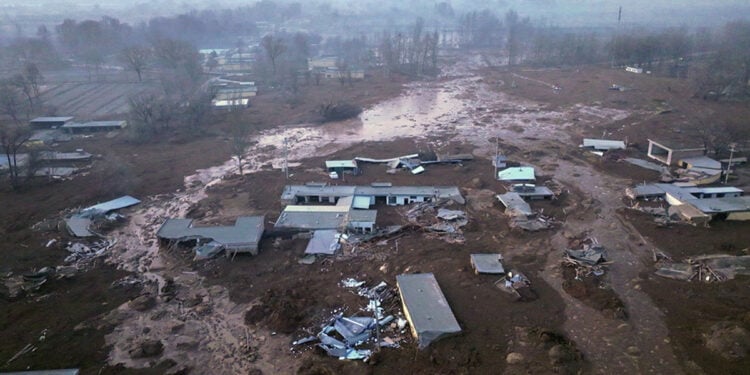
(425, 306)
(115, 204)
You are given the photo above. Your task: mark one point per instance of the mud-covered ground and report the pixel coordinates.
(240, 315)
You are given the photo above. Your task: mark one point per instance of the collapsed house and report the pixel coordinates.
(428, 312)
(705, 268)
(532, 192)
(520, 213)
(697, 204)
(669, 155)
(79, 224)
(242, 237)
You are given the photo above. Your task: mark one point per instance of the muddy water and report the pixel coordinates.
(210, 336)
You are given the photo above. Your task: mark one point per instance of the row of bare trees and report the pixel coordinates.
(413, 54)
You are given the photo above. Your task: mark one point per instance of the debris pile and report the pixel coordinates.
(357, 337)
(590, 258)
(81, 253)
(516, 284)
(443, 222)
(14, 286)
(704, 268)
(521, 215)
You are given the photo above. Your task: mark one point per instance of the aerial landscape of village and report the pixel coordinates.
(361, 187)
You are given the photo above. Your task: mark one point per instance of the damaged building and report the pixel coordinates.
(697, 204)
(242, 237)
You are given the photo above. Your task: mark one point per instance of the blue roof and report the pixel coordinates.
(115, 204)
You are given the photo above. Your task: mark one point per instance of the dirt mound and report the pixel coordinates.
(282, 311)
(593, 291)
(728, 340)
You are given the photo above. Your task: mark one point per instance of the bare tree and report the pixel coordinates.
(274, 48)
(13, 134)
(13, 137)
(136, 59)
(240, 141)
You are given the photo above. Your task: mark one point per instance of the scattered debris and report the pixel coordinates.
(431, 217)
(521, 215)
(346, 337)
(516, 284)
(589, 259)
(705, 268)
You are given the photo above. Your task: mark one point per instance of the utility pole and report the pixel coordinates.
(497, 154)
(729, 166)
(286, 158)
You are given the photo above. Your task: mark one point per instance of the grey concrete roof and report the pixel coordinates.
(323, 242)
(311, 220)
(726, 204)
(52, 119)
(426, 308)
(514, 203)
(247, 230)
(487, 263)
(448, 192)
(363, 215)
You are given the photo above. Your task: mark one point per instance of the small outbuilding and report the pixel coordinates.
(343, 166)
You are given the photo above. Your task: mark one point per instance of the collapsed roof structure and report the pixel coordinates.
(700, 203)
(430, 317)
(79, 224)
(242, 237)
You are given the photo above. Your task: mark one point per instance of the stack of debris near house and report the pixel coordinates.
(521, 215)
(357, 337)
(414, 163)
(521, 188)
(443, 222)
(704, 268)
(588, 258)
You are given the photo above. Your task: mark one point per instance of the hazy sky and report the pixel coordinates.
(691, 13)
